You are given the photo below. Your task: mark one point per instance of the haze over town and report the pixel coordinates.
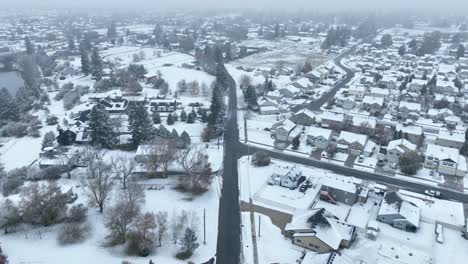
(233, 132)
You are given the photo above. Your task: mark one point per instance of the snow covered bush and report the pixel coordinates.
(77, 214)
(15, 129)
(11, 185)
(73, 233)
(261, 158)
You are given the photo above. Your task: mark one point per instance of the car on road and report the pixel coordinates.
(432, 193)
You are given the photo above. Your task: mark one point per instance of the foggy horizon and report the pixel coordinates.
(452, 6)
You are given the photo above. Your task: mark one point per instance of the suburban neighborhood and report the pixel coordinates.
(233, 136)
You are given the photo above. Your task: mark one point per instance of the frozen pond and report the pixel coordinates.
(11, 80)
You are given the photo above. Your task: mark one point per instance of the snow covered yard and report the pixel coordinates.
(42, 247)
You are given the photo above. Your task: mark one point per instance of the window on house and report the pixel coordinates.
(298, 240)
(317, 247)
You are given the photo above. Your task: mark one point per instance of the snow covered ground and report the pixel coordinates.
(42, 247)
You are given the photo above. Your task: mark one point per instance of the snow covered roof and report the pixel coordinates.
(410, 106)
(381, 91)
(373, 100)
(412, 130)
(402, 145)
(319, 132)
(446, 153)
(457, 136)
(352, 137)
(359, 120)
(332, 116)
(394, 203)
(321, 224)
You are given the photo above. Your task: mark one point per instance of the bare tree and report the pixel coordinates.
(179, 222)
(245, 81)
(134, 194)
(123, 167)
(161, 152)
(99, 179)
(198, 169)
(118, 220)
(163, 226)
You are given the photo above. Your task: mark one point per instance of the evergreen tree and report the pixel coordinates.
(96, 63)
(29, 46)
(295, 143)
(204, 117)
(460, 51)
(140, 124)
(402, 50)
(102, 134)
(71, 43)
(170, 119)
(85, 66)
(8, 106)
(189, 242)
(216, 105)
(183, 116)
(156, 117)
(112, 31)
(163, 132)
(250, 97)
(49, 139)
(175, 116)
(186, 141)
(386, 40)
(191, 118)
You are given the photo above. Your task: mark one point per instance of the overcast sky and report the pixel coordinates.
(446, 5)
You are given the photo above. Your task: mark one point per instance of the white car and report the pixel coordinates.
(432, 193)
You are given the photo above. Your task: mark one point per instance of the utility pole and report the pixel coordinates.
(259, 224)
(204, 226)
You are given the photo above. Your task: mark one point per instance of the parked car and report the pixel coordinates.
(361, 158)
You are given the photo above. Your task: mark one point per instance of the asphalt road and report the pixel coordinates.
(350, 172)
(229, 232)
(316, 104)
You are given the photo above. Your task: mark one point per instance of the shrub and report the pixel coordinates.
(138, 246)
(77, 214)
(64, 90)
(183, 255)
(15, 129)
(52, 120)
(261, 158)
(73, 233)
(12, 185)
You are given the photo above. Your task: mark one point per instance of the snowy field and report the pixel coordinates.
(42, 246)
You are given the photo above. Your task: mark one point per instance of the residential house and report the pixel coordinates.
(114, 105)
(399, 213)
(357, 90)
(303, 117)
(343, 191)
(282, 132)
(413, 134)
(396, 149)
(320, 231)
(389, 82)
(379, 92)
(331, 119)
(286, 176)
(451, 139)
(445, 160)
(164, 106)
(407, 109)
(351, 142)
(446, 88)
(319, 137)
(416, 85)
(373, 104)
(347, 102)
